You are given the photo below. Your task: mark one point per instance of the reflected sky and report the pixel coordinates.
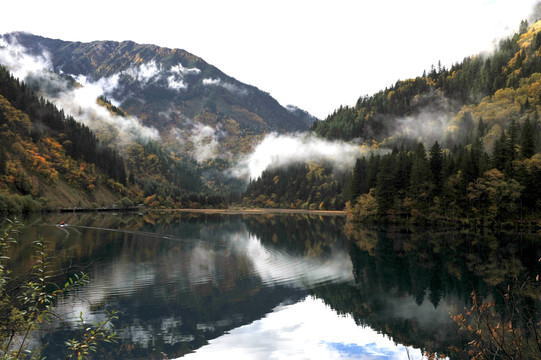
(306, 330)
(274, 266)
(251, 288)
(202, 264)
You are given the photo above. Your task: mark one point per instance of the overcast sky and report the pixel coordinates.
(314, 54)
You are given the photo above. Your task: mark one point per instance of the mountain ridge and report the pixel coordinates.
(186, 83)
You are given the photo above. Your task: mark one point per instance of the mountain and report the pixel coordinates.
(172, 123)
(166, 87)
(178, 124)
(49, 160)
(431, 106)
(452, 145)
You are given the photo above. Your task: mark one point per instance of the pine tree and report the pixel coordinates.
(420, 176)
(481, 128)
(3, 160)
(527, 140)
(358, 181)
(499, 154)
(513, 134)
(436, 166)
(466, 128)
(385, 189)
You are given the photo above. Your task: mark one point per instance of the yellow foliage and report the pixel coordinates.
(499, 108)
(15, 119)
(53, 144)
(248, 114)
(365, 206)
(315, 172)
(490, 138)
(527, 38)
(150, 199)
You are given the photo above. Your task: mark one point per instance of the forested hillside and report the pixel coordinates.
(43, 150)
(454, 144)
(165, 87)
(49, 160)
(459, 144)
(185, 121)
(477, 80)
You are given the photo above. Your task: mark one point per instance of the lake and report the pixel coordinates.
(199, 286)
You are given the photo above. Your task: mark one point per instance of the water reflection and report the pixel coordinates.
(266, 284)
(407, 284)
(306, 330)
(184, 280)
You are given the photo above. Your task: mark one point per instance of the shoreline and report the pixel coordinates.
(256, 211)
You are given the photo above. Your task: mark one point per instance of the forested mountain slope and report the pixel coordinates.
(48, 159)
(164, 86)
(178, 123)
(495, 86)
(174, 122)
(455, 144)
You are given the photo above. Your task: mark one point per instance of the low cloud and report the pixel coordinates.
(232, 88)
(78, 101)
(152, 72)
(176, 84)
(431, 121)
(426, 125)
(201, 141)
(144, 73)
(205, 142)
(19, 62)
(81, 103)
(181, 70)
(210, 81)
(283, 150)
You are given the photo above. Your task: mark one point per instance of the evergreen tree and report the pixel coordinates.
(466, 128)
(420, 175)
(403, 170)
(481, 128)
(527, 139)
(3, 160)
(385, 189)
(523, 27)
(499, 154)
(358, 182)
(436, 166)
(513, 134)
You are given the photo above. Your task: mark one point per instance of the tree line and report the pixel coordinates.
(479, 164)
(466, 82)
(464, 182)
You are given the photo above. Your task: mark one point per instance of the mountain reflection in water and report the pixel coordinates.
(263, 286)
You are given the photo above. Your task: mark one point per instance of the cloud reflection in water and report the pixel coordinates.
(306, 330)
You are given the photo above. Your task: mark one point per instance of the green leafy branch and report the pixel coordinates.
(26, 308)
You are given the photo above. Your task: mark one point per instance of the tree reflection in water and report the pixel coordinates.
(442, 269)
(181, 280)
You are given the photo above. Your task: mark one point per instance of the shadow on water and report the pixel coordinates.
(181, 280)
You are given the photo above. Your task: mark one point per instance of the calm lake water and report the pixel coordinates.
(270, 287)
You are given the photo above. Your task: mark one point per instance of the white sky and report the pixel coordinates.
(314, 54)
